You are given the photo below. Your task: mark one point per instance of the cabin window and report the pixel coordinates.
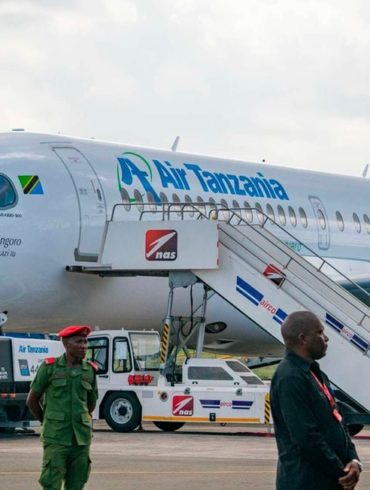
(270, 213)
(367, 223)
(200, 205)
(224, 215)
(145, 351)
(303, 217)
(176, 200)
(356, 221)
(292, 216)
(212, 205)
(281, 214)
(260, 214)
(139, 200)
(209, 373)
(163, 197)
(321, 218)
(8, 194)
(247, 212)
(245, 373)
(189, 210)
(164, 201)
(152, 203)
(236, 206)
(340, 221)
(125, 199)
(97, 351)
(237, 212)
(121, 356)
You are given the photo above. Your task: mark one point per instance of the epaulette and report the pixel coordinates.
(49, 360)
(93, 365)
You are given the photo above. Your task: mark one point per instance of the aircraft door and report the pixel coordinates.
(322, 223)
(91, 202)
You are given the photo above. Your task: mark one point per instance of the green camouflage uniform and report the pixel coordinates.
(67, 424)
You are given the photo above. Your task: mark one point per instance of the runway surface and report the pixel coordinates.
(196, 457)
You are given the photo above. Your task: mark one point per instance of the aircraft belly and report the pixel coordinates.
(132, 303)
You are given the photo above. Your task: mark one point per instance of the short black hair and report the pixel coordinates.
(296, 323)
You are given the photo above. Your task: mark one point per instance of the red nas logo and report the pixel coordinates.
(182, 405)
(161, 245)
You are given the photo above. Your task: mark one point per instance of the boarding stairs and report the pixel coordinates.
(252, 269)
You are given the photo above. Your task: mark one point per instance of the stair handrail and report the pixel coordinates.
(184, 209)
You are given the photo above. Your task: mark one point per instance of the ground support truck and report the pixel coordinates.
(132, 389)
(20, 357)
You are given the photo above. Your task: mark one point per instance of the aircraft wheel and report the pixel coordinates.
(122, 411)
(169, 426)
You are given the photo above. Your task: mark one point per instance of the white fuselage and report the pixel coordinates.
(65, 189)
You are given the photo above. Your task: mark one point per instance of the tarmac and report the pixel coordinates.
(195, 457)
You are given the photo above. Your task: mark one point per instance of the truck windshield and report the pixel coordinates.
(8, 195)
(145, 346)
(245, 373)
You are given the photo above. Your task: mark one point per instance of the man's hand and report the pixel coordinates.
(33, 403)
(350, 480)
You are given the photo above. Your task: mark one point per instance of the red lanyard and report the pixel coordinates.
(329, 397)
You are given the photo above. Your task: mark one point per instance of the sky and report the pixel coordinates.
(284, 81)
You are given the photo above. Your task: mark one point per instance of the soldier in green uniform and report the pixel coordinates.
(62, 397)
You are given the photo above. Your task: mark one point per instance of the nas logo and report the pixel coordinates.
(161, 245)
(182, 405)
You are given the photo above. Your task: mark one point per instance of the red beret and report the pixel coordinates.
(82, 330)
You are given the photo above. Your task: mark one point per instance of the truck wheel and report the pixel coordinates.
(169, 426)
(122, 411)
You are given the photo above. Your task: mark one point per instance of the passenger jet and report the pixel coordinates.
(56, 193)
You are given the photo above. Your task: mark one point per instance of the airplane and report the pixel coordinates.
(56, 193)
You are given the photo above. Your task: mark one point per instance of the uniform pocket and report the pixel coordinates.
(51, 475)
(59, 382)
(86, 385)
(58, 387)
(54, 425)
(54, 415)
(45, 476)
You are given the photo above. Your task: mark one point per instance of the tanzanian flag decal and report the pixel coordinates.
(30, 184)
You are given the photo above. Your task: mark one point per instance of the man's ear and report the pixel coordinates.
(302, 338)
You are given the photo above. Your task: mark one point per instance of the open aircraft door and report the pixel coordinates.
(91, 202)
(322, 223)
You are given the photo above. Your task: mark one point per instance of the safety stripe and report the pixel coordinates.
(221, 420)
(164, 343)
(210, 403)
(347, 333)
(248, 291)
(267, 408)
(280, 316)
(242, 404)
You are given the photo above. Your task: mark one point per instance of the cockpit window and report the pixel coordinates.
(8, 195)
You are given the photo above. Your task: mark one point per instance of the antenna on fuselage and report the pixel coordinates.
(364, 172)
(175, 143)
(3, 320)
